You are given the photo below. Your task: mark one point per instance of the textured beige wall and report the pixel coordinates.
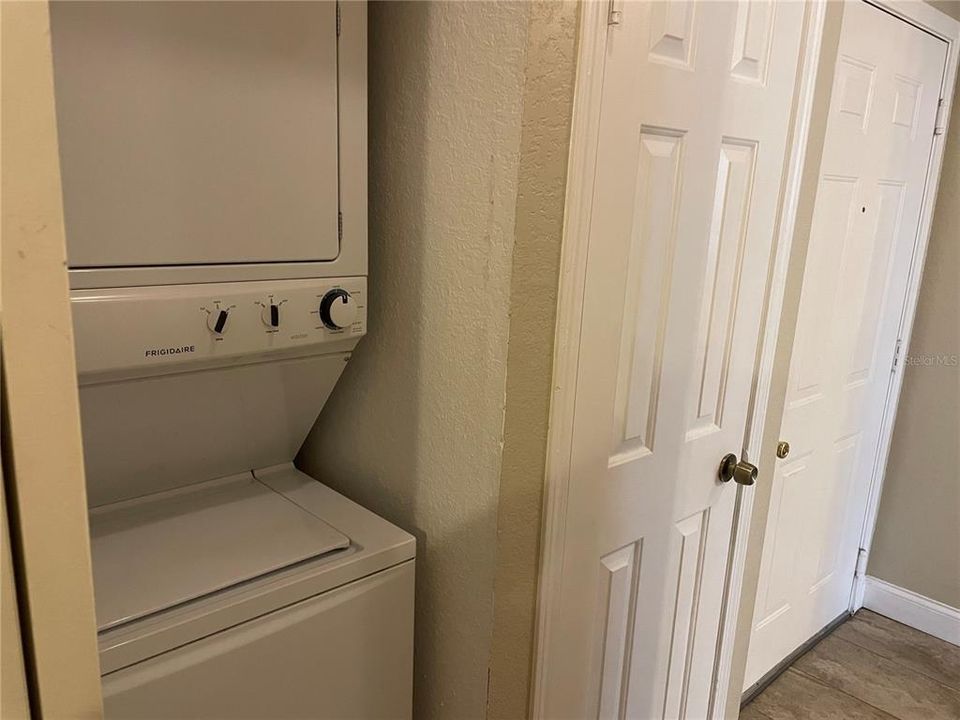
(916, 543)
(547, 107)
(414, 429)
(950, 7)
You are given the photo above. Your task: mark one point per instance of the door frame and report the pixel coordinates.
(42, 459)
(927, 18)
(595, 16)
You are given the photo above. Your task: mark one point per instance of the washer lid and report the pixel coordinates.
(161, 550)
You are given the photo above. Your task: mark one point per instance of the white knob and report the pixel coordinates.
(271, 315)
(217, 321)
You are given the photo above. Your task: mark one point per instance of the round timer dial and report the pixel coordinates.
(338, 309)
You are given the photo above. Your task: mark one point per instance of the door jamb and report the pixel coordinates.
(578, 206)
(926, 18)
(591, 53)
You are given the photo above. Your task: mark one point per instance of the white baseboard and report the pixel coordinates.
(909, 608)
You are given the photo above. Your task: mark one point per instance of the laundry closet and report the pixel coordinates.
(213, 160)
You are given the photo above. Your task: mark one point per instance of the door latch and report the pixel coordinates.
(615, 12)
(938, 126)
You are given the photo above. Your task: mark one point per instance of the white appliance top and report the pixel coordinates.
(156, 552)
(375, 545)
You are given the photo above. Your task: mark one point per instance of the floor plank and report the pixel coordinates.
(750, 712)
(916, 650)
(880, 682)
(794, 696)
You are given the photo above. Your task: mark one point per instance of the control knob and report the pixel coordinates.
(217, 321)
(338, 309)
(271, 315)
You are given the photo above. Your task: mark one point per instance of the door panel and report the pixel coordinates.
(726, 243)
(618, 605)
(693, 129)
(651, 250)
(877, 148)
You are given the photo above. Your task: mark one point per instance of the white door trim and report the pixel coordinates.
(584, 134)
(939, 25)
(573, 265)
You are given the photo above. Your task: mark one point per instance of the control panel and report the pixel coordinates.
(131, 329)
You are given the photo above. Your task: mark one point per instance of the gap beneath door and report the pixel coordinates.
(777, 670)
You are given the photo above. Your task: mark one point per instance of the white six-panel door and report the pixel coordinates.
(876, 155)
(695, 113)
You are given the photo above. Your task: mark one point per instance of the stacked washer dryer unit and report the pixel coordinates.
(214, 176)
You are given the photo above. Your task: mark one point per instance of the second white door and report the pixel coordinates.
(693, 128)
(877, 151)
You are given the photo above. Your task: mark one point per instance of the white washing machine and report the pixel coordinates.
(214, 177)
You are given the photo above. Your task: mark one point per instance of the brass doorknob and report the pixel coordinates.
(783, 449)
(742, 472)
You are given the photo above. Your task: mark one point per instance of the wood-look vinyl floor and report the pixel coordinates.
(869, 668)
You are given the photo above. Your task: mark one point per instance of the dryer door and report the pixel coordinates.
(198, 132)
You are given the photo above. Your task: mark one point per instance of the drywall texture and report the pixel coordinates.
(916, 543)
(950, 7)
(547, 107)
(414, 429)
